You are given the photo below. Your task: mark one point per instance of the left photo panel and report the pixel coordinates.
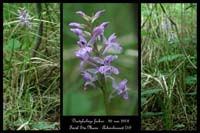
(31, 66)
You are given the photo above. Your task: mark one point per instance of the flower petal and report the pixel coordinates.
(89, 83)
(122, 85)
(115, 70)
(106, 49)
(83, 53)
(97, 15)
(81, 13)
(86, 76)
(77, 31)
(82, 42)
(117, 47)
(108, 59)
(112, 38)
(125, 95)
(104, 24)
(75, 25)
(92, 70)
(98, 60)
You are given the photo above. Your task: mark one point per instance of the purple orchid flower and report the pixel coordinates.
(122, 88)
(82, 42)
(99, 65)
(111, 42)
(107, 60)
(83, 53)
(89, 77)
(107, 70)
(24, 18)
(97, 32)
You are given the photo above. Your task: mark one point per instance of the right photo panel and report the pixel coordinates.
(169, 66)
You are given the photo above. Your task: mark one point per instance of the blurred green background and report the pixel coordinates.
(123, 22)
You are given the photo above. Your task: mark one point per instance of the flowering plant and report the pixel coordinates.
(92, 53)
(24, 18)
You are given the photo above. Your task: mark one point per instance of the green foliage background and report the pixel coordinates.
(169, 75)
(31, 86)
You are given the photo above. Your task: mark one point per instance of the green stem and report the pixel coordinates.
(96, 49)
(102, 49)
(102, 83)
(103, 88)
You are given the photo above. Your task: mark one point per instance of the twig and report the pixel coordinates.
(40, 30)
(147, 18)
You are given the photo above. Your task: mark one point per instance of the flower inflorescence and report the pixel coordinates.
(90, 53)
(24, 18)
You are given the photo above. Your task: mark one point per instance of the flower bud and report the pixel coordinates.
(83, 15)
(75, 25)
(97, 15)
(77, 31)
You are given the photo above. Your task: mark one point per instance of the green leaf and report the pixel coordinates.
(44, 125)
(179, 125)
(158, 41)
(150, 91)
(189, 40)
(143, 100)
(4, 125)
(190, 94)
(12, 44)
(144, 33)
(170, 58)
(191, 80)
